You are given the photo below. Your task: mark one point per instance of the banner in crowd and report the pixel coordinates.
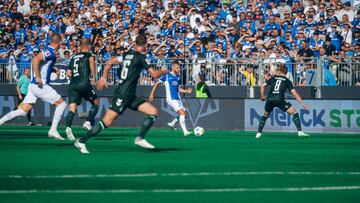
(61, 78)
(323, 116)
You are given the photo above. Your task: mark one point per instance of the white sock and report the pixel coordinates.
(59, 110)
(182, 124)
(174, 121)
(11, 115)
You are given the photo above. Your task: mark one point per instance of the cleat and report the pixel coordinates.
(55, 134)
(87, 125)
(301, 134)
(188, 133)
(30, 123)
(258, 135)
(143, 143)
(172, 126)
(81, 147)
(69, 134)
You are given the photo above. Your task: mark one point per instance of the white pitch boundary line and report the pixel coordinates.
(208, 190)
(249, 173)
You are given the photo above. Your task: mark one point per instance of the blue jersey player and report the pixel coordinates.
(171, 81)
(43, 65)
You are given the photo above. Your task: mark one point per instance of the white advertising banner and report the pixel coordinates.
(323, 116)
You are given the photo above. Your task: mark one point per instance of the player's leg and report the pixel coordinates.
(268, 108)
(25, 108)
(151, 113)
(22, 111)
(92, 113)
(60, 106)
(109, 117)
(296, 120)
(173, 122)
(69, 120)
(182, 115)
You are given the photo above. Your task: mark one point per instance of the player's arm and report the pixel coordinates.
(298, 98)
(151, 96)
(187, 90)
(93, 69)
(36, 63)
(157, 73)
(262, 91)
(102, 81)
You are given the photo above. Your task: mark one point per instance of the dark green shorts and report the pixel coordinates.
(78, 92)
(283, 105)
(121, 103)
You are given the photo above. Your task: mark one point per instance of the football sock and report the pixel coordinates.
(147, 124)
(96, 129)
(262, 123)
(296, 121)
(182, 124)
(92, 113)
(173, 122)
(59, 111)
(11, 115)
(69, 118)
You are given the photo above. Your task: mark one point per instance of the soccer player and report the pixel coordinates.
(133, 63)
(276, 98)
(43, 65)
(171, 81)
(81, 64)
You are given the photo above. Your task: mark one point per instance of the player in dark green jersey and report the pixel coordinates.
(133, 63)
(80, 67)
(277, 87)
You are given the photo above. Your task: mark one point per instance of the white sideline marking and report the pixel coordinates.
(209, 190)
(249, 173)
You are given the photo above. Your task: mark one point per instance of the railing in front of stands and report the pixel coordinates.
(222, 72)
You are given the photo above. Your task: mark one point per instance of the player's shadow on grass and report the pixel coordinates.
(137, 149)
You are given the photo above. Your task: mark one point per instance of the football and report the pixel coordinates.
(198, 131)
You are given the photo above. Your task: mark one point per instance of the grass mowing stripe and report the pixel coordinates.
(208, 190)
(244, 173)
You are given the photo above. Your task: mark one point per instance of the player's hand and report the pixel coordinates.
(189, 90)
(262, 98)
(57, 72)
(101, 84)
(20, 97)
(151, 98)
(305, 106)
(38, 82)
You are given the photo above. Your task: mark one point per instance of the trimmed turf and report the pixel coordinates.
(26, 151)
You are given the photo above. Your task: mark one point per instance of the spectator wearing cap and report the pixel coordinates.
(320, 15)
(331, 16)
(330, 48)
(335, 37)
(283, 9)
(356, 38)
(356, 21)
(346, 33)
(316, 43)
(310, 6)
(348, 11)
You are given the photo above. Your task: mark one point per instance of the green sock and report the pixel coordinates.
(262, 123)
(69, 118)
(96, 129)
(92, 113)
(147, 124)
(296, 121)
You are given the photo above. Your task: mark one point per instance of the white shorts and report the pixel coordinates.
(45, 93)
(176, 105)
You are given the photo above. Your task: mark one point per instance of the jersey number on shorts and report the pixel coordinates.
(76, 68)
(277, 86)
(124, 70)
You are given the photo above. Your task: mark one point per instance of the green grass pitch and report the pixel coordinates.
(221, 166)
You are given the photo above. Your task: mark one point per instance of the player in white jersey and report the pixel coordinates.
(171, 81)
(43, 65)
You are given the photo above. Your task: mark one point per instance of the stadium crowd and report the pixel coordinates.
(219, 31)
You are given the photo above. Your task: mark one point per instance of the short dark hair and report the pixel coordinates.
(140, 40)
(283, 69)
(176, 62)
